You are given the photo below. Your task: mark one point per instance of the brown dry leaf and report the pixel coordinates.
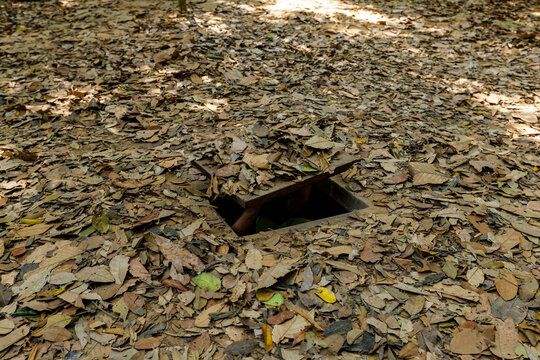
(120, 307)
(304, 313)
(335, 342)
(426, 174)
(5, 295)
(253, 259)
(131, 183)
(147, 343)
(509, 239)
(468, 342)
(289, 329)
(409, 351)
(270, 276)
(336, 251)
(414, 305)
(396, 179)
(179, 256)
(533, 205)
(201, 342)
(14, 336)
(507, 285)
(368, 255)
(56, 334)
(533, 231)
(164, 56)
(257, 161)
(33, 283)
(119, 267)
(33, 230)
(319, 143)
(60, 320)
(62, 278)
(506, 340)
(456, 290)
(196, 79)
(103, 128)
(98, 273)
(6, 325)
(191, 228)
(475, 276)
(528, 288)
(203, 319)
(138, 270)
(156, 215)
(134, 302)
(72, 298)
(175, 284)
(59, 256)
(280, 318)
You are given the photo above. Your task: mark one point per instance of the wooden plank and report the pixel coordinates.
(281, 188)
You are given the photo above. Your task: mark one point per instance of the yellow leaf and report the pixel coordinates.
(116, 331)
(32, 221)
(431, 252)
(51, 293)
(267, 336)
(326, 294)
(51, 197)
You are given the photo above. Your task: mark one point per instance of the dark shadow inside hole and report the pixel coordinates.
(325, 199)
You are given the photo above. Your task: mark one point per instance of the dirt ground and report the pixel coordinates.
(111, 247)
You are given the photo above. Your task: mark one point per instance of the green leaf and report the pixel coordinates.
(87, 232)
(51, 197)
(101, 223)
(447, 324)
(25, 312)
(269, 297)
(276, 300)
(307, 168)
(207, 281)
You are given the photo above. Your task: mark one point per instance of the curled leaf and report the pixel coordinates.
(307, 168)
(267, 337)
(32, 221)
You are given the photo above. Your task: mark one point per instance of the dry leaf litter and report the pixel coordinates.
(110, 248)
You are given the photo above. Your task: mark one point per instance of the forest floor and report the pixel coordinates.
(111, 248)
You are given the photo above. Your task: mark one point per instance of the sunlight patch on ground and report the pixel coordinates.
(67, 3)
(522, 118)
(325, 7)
